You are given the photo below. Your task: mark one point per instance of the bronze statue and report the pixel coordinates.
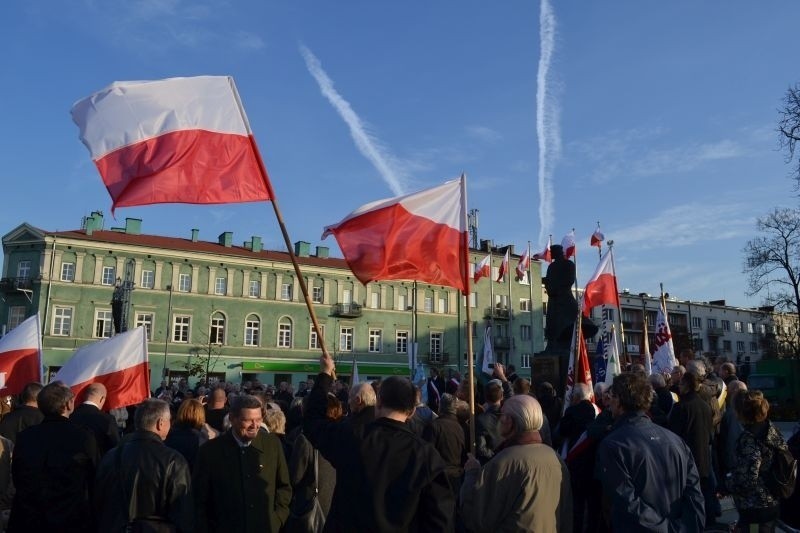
(562, 309)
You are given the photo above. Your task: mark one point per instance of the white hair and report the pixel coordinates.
(525, 411)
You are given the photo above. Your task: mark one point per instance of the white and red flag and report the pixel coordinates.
(120, 363)
(420, 236)
(663, 352)
(501, 274)
(602, 286)
(524, 263)
(597, 238)
(568, 244)
(545, 254)
(178, 140)
(483, 269)
(20, 357)
(578, 370)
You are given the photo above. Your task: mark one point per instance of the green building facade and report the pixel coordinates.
(238, 311)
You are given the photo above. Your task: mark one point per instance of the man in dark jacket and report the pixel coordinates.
(26, 413)
(88, 415)
(241, 480)
(362, 407)
(644, 494)
(447, 436)
(487, 434)
(388, 479)
(53, 469)
(143, 478)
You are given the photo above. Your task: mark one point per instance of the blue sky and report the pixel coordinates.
(665, 114)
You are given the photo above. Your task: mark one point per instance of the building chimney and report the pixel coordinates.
(226, 239)
(302, 249)
(256, 243)
(323, 252)
(133, 226)
(195, 235)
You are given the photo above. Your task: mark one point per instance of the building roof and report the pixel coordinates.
(187, 245)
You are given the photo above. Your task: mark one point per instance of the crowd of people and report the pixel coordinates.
(647, 453)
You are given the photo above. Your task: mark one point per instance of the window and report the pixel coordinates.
(180, 328)
(726, 346)
(148, 279)
(401, 302)
(255, 288)
(697, 322)
(252, 330)
(401, 342)
(313, 340)
(217, 330)
(16, 315)
(62, 321)
(711, 322)
(436, 346)
(525, 305)
(443, 305)
(184, 283)
(501, 302)
(347, 296)
(346, 339)
(285, 333)
(525, 360)
(525, 279)
(737, 327)
(698, 345)
(750, 327)
(68, 272)
(109, 276)
(375, 341)
(220, 286)
(762, 329)
(726, 325)
(473, 300)
(286, 291)
(753, 347)
(375, 300)
(146, 320)
(428, 304)
(629, 316)
(316, 295)
(525, 332)
(24, 269)
(740, 346)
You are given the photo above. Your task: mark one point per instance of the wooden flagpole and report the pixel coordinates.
(600, 244)
(467, 294)
(619, 306)
(530, 301)
(510, 310)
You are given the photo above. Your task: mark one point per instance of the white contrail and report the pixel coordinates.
(547, 115)
(365, 142)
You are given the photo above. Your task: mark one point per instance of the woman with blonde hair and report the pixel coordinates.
(189, 430)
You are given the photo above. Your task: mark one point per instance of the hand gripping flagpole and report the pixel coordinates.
(468, 317)
(284, 231)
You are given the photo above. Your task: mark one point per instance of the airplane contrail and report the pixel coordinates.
(547, 116)
(367, 144)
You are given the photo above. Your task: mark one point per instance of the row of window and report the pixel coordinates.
(738, 326)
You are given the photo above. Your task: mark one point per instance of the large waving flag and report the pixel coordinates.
(420, 236)
(501, 274)
(178, 140)
(545, 254)
(488, 352)
(663, 354)
(602, 286)
(483, 269)
(20, 357)
(120, 363)
(597, 238)
(568, 244)
(524, 263)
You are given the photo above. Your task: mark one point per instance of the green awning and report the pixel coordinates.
(312, 367)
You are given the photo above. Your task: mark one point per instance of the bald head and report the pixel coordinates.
(95, 393)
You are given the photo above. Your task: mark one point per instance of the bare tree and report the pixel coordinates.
(789, 127)
(772, 260)
(204, 357)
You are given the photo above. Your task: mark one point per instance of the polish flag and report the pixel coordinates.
(420, 236)
(545, 255)
(20, 357)
(501, 275)
(120, 363)
(179, 140)
(524, 263)
(578, 370)
(597, 238)
(568, 244)
(663, 353)
(483, 269)
(602, 287)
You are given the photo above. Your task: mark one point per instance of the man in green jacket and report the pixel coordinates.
(241, 482)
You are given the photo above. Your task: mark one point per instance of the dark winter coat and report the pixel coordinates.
(447, 436)
(20, 418)
(101, 424)
(692, 420)
(754, 458)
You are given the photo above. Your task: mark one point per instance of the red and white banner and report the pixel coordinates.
(420, 236)
(568, 244)
(663, 353)
(524, 263)
(597, 238)
(120, 363)
(545, 255)
(178, 140)
(602, 286)
(20, 357)
(501, 275)
(578, 370)
(483, 269)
